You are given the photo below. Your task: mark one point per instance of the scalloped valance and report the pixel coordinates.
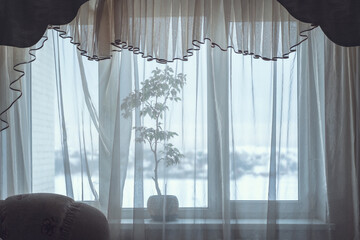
(164, 30)
(22, 23)
(157, 29)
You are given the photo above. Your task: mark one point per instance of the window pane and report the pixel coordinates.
(188, 118)
(253, 108)
(49, 152)
(251, 113)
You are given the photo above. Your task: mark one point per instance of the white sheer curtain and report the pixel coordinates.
(225, 123)
(342, 134)
(168, 30)
(15, 150)
(330, 98)
(253, 133)
(15, 145)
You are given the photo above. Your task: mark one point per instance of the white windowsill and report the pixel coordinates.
(282, 224)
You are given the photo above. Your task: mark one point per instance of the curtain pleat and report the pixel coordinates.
(62, 122)
(341, 110)
(15, 153)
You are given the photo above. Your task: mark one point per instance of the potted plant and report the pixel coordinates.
(156, 92)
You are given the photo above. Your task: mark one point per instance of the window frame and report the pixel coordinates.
(247, 209)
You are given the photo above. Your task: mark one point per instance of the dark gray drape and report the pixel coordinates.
(23, 22)
(339, 19)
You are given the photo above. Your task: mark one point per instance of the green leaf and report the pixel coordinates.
(152, 100)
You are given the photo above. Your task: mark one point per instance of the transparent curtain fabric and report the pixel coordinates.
(254, 165)
(329, 89)
(10, 86)
(342, 148)
(15, 143)
(168, 30)
(15, 152)
(255, 136)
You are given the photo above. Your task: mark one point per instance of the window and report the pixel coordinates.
(51, 156)
(239, 113)
(251, 122)
(188, 119)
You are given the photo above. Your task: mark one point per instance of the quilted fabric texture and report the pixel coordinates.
(50, 217)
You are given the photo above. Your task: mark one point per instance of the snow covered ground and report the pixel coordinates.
(189, 192)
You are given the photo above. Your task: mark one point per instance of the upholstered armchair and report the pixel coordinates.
(50, 217)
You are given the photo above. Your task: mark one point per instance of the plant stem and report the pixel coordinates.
(155, 156)
(156, 178)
